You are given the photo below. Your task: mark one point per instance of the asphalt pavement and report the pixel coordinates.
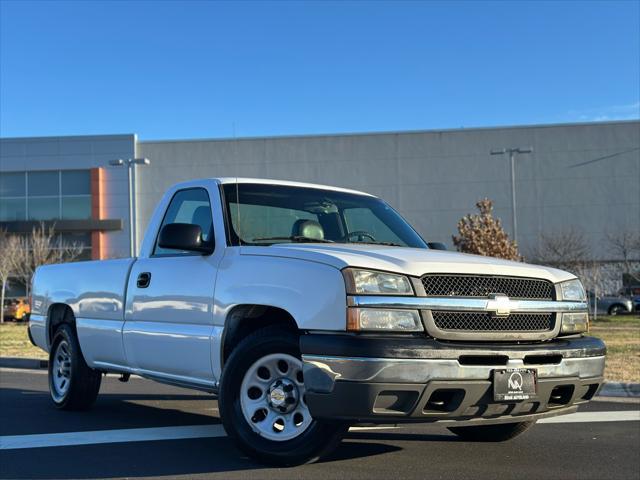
(145, 429)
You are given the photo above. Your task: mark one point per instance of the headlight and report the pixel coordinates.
(370, 319)
(573, 290)
(370, 282)
(575, 322)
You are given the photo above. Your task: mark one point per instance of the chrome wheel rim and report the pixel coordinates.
(272, 397)
(61, 371)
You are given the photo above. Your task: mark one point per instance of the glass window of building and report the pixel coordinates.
(76, 208)
(43, 208)
(12, 209)
(13, 205)
(12, 184)
(43, 184)
(45, 195)
(75, 182)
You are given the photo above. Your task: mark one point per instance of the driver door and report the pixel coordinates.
(169, 318)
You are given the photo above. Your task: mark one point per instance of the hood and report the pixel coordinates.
(410, 261)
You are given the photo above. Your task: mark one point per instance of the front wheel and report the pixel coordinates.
(491, 433)
(262, 402)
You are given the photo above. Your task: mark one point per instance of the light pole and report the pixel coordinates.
(131, 163)
(512, 153)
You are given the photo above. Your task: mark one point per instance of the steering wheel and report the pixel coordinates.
(361, 234)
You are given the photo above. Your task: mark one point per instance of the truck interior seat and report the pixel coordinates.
(307, 228)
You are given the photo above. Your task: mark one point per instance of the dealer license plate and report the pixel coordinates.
(514, 384)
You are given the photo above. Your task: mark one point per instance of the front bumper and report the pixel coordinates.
(400, 379)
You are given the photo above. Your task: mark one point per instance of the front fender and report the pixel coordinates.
(313, 293)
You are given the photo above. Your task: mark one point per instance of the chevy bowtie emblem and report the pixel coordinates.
(499, 305)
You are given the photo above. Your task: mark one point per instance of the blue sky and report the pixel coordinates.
(204, 69)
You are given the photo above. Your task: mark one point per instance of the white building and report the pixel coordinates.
(581, 177)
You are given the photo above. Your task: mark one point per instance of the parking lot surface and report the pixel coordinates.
(144, 429)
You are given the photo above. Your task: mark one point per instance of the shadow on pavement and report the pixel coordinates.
(28, 411)
(160, 458)
(395, 435)
(121, 460)
(31, 412)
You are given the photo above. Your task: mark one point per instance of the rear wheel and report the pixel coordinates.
(617, 309)
(72, 384)
(491, 433)
(262, 402)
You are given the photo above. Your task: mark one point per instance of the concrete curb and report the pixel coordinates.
(618, 389)
(609, 389)
(28, 363)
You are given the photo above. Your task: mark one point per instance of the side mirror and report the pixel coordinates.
(436, 246)
(184, 236)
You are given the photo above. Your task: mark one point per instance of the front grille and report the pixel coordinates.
(485, 322)
(483, 285)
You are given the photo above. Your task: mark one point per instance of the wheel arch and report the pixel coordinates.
(57, 314)
(622, 306)
(242, 320)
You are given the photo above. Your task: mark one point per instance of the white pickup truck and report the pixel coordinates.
(308, 309)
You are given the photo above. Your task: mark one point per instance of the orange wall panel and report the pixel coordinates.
(96, 211)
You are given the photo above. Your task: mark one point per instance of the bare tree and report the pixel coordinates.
(5, 269)
(592, 276)
(41, 247)
(8, 250)
(483, 234)
(567, 249)
(626, 247)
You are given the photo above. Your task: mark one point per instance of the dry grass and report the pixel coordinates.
(14, 342)
(621, 334)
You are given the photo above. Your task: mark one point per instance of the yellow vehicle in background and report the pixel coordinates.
(17, 309)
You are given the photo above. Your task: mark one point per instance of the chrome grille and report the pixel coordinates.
(446, 285)
(485, 322)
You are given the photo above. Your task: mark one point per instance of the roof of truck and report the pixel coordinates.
(266, 181)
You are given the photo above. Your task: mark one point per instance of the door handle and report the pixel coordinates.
(144, 279)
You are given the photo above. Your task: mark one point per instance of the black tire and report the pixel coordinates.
(491, 433)
(319, 438)
(617, 309)
(83, 384)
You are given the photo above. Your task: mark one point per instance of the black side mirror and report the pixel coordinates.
(436, 246)
(184, 236)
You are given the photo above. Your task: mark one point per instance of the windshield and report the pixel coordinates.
(268, 214)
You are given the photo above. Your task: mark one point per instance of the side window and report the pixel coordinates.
(188, 206)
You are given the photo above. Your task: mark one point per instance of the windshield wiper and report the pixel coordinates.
(388, 244)
(294, 238)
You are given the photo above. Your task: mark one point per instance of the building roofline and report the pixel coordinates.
(392, 132)
(108, 136)
(318, 135)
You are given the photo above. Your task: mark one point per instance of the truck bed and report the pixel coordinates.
(95, 291)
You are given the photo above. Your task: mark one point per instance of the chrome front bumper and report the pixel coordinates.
(321, 373)
(397, 383)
